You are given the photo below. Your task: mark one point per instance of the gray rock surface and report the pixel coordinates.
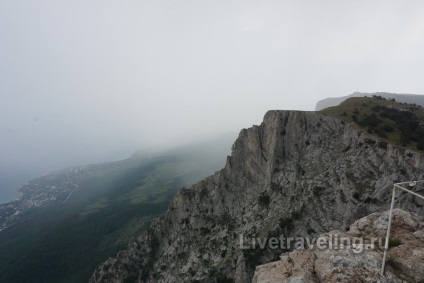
(405, 262)
(297, 174)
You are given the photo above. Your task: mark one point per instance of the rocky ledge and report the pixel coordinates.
(361, 262)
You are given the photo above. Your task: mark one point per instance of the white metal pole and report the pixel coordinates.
(386, 245)
(389, 226)
(411, 192)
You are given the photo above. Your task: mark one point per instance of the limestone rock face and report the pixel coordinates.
(297, 174)
(405, 262)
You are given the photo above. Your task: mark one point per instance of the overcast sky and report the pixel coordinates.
(93, 80)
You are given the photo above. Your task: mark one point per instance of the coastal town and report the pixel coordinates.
(52, 187)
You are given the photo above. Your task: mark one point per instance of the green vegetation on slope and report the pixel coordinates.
(65, 242)
(397, 123)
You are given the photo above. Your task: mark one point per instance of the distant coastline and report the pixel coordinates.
(7, 195)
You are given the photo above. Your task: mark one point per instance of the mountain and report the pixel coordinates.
(404, 98)
(298, 174)
(67, 222)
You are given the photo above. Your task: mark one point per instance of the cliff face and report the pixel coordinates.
(297, 174)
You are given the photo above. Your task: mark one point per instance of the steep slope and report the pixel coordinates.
(297, 174)
(404, 98)
(67, 222)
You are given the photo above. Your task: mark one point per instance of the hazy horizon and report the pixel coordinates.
(85, 82)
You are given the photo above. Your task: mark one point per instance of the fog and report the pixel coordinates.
(92, 81)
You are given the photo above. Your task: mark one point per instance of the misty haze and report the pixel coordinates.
(112, 107)
(90, 82)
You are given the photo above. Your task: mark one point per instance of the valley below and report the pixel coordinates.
(67, 222)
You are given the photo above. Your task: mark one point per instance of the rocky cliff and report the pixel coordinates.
(297, 174)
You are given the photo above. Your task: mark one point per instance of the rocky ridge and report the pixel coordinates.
(404, 98)
(297, 174)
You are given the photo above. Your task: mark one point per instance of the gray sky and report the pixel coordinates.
(87, 81)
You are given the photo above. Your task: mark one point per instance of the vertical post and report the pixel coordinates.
(389, 226)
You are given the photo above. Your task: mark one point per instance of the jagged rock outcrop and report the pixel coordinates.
(356, 263)
(297, 174)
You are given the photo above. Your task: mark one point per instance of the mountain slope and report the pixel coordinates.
(390, 121)
(297, 174)
(404, 98)
(67, 222)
